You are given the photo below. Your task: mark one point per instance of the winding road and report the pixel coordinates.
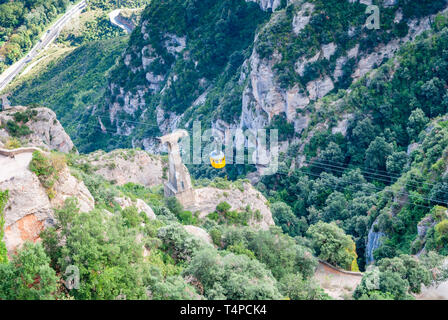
(115, 20)
(53, 32)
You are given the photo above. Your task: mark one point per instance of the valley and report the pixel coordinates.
(356, 209)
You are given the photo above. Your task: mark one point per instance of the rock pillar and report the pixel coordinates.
(179, 181)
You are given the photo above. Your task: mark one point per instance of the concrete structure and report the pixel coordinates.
(179, 181)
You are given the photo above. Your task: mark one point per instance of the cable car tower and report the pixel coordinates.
(179, 181)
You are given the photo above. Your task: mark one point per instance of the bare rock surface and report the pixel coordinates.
(47, 131)
(29, 209)
(199, 233)
(125, 202)
(208, 198)
(123, 166)
(267, 4)
(68, 186)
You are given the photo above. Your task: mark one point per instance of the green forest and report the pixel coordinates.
(21, 24)
(362, 187)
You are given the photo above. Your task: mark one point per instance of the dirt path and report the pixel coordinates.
(337, 284)
(434, 293)
(114, 19)
(10, 166)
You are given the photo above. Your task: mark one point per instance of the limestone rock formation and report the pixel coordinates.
(268, 4)
(125, 202)
(123, 166)
(29, 209)
(208, 198)
(68, 186)
(199, 233)
(47, 131)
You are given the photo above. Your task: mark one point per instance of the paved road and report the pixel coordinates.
(113, 16)
(53, 32)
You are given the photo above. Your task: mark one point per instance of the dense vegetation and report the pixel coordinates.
(385, 176)
(370, 180)
(21, 23)
(94, 24)
(4, 195)
(121, 253)
(72, 84)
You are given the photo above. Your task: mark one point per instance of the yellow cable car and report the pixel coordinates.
(217, 159)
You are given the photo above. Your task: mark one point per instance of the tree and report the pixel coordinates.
(392, 283)
(332, 154)
(362, 133)
(432, 92)
(232, 276)
(416, 123)
(104, 249)
(281, 254)
(180, 244)
(285, 218)
(409, 269)
(223, 207)
(332, 244)
(441, 233)
(173, 288)
(174, 205)
(29, 276)
(377, 153)
(396, 162)
(397, 277)
(295, 287)
(336, 207)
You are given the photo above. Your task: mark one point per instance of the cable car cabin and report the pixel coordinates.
(217, 159)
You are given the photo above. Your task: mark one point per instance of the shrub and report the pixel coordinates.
(47, 169)
(4, 195)
(12, 143)
(332, 244)
(16, 130)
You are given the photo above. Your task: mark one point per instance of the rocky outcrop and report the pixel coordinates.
(29, 209)
(383, 52)
(263, 99)
(68, 186)
(138, 203)
(268, 4)
(302, 17)
(374, 241)
(208, 198)
(123, 166)
(342, 125)
(199, 233)
(46, 130)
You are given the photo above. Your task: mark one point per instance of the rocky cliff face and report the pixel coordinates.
(123, 166)
(259, 94)
(208, 198)
(138, 203)
(268, 4)
(265, 97)
(29, 209)
(46, 130)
